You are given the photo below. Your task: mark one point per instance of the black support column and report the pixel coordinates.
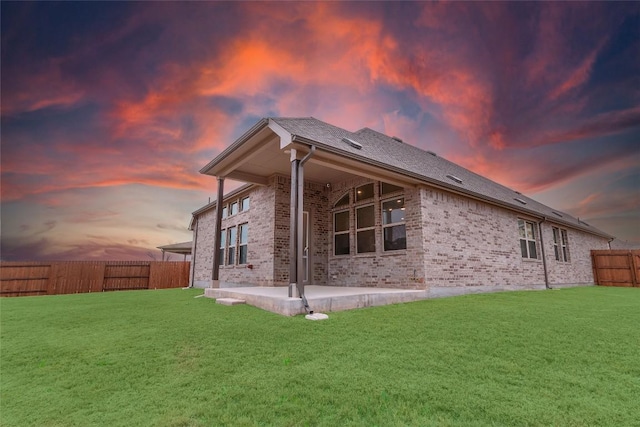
(215, 274)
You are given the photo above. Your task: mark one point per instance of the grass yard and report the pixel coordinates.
(164, 358)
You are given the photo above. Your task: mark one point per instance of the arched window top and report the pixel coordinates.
(343, 201)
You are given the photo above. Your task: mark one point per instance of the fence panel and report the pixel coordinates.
(22, 279)
(168, 274)
(51, 278)
(126, 276)
(616, 267)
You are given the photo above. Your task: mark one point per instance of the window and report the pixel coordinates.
(364, 192)
(560, 244)
(565, 245)
(242, 247)
(222, 240)
(389, 188)
(341, 241)
(393, 227)
(527, 233)
(224, 212)
(344, 201)
(231, 246)
(233, 207)
(365, 229)
(244, 204)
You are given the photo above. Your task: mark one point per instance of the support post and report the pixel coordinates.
(293, 226)
(300, 231)
(215, 273)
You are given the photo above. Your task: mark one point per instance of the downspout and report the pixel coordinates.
(300, 249)
(193, 255)
(609, 242)
(544, 258)
(296, 233)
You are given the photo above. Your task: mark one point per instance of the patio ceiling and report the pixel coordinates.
(266, 153)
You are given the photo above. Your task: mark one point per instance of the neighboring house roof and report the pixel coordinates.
(389, 153)
(178, 248)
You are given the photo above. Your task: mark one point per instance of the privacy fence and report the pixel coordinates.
(616, 267)
(70, 277)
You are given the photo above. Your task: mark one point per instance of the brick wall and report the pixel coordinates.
(470, 243)
(204, 241)
(268, 239)
(452, 242)
(260, 248)
(579, 269)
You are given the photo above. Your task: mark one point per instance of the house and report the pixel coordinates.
(325, 206)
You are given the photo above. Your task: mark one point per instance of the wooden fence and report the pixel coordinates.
(70, 277)
(616, 267)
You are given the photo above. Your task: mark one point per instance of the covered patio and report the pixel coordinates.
(320, 298)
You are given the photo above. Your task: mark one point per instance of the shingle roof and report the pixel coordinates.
(389, 153)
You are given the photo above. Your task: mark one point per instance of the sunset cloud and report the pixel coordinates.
(99, 98)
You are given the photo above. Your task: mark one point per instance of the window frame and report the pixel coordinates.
(235, 204)
(528, 240)
(232, 244)
(242, 207)
(342, 232)
(373, 192)
(222, 243)
(391, 225)
(359, 229)
(243, 244)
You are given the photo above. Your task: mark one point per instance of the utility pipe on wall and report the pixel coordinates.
(544, 258)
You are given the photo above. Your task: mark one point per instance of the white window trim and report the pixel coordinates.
(232, 247)
(527, 240)
(242, 199)
(393, 224)
(240, 244)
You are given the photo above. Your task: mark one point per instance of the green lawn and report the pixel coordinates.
(164, 358)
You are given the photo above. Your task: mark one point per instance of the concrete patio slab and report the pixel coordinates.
(230, 301)
(321, 298)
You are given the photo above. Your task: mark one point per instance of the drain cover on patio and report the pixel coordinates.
(230, 301)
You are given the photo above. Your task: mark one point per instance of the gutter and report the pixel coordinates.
(544, 257)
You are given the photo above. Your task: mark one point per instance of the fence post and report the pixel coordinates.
(594, 264)
(634, 269)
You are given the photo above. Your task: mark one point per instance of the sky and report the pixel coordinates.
(110, 109)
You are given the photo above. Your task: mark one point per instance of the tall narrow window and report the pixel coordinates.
(242, 247)
(365, 229)
(222, 242)
(244, 204)
(565, 245)
(393, 225)
(225, 211)
(233, 208)
(341, 241)
(527, 233)
(231, 246)
(556, 243)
